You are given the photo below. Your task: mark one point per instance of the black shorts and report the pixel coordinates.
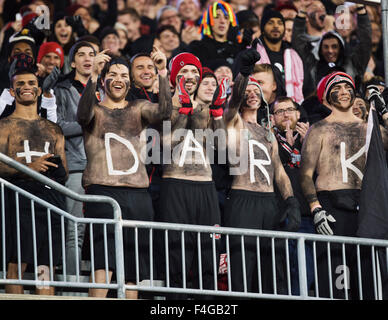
(135, 204)
(254, 210)
(41, 224)
(189, 202)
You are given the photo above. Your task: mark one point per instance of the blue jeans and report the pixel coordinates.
(306, 226)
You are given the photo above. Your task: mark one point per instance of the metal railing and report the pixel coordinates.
(247, 243)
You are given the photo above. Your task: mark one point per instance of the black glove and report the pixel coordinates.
(12, 69)
(50, 81)
(376, 97)
(76, 23)
(322, 220)
(248, 59)
(247, 37)
(37, 32)
(292, 212)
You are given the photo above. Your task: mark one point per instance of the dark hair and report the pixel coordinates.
(114, 60)
(283, 99)
(132, 12)
(164, 28)
(91, 39)
(23, 71)
(74, 49)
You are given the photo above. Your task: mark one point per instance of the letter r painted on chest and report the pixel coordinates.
(260, 163)
(348, 163)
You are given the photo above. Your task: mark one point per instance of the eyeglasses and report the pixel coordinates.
(283, 111)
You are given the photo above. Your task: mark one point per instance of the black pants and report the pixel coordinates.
(255, 210)
(342, 205)
(135, 204)
(189, 202)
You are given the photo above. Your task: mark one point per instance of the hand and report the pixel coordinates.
(216, 108)
(302, 128)
(41, 70)
(376, 97)
(189, 34)
(322, 220)
(50, 81)
(159, 58)
(289, 134)
(41, 164)
(247, 37)
(184, 98)
(99, 62)
(248, 59)
(293, 214)
(77, 25)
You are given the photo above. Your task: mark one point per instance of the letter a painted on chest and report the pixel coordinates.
(109, 161)
(347, 163)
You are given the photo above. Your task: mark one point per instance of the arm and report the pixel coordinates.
(234, 105)
(5, 99)
(281, 178)
(299, 41)
(60, 150)
(49, 103)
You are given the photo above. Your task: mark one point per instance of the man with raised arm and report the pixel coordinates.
(114, 168)
(33, 141)
(255, 166)
(188, 194)
(334, 152)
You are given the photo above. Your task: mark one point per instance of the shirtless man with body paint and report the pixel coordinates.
(31, 140)
(334, 150)
(256, 167)
(113, 146)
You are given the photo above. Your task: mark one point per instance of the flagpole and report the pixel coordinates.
(384, 17)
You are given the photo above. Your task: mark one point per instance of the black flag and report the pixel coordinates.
(373, 207)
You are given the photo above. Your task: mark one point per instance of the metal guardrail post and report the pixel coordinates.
(119, 247)
(302, 269)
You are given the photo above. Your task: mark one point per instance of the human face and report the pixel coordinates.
(188, 10)
(111, 42)
(224, 72)
(170, 17)
(192, 76)
(169, 40)
(51, 60)
(63, 32)
(330, 49)
(22, 47)
(285, 114)
(221, 25)
(103, 4)
(267, 84)
(316, 13)
(83, 61)
(85, 16)
(206, 90)
(143, 72)
(274, 30)
(376, 33)
(116, 82)
(288, 30)
(25, 89)
(359, 108)
(341, 96)
(122, 38)
(84, 3)
(132, 25)
(252, 97)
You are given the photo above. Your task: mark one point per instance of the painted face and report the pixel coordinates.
(63, 32)
(143, 72)
(221, 24)
(206, 89)
(83, 61)
(330, 49)
(274, 30)
(192, 76)
(341, 96)
(316, 13)
(25, 89)
(359, 108)
(252, 97)
(285, 113)
(116, 82)
(51, 60)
